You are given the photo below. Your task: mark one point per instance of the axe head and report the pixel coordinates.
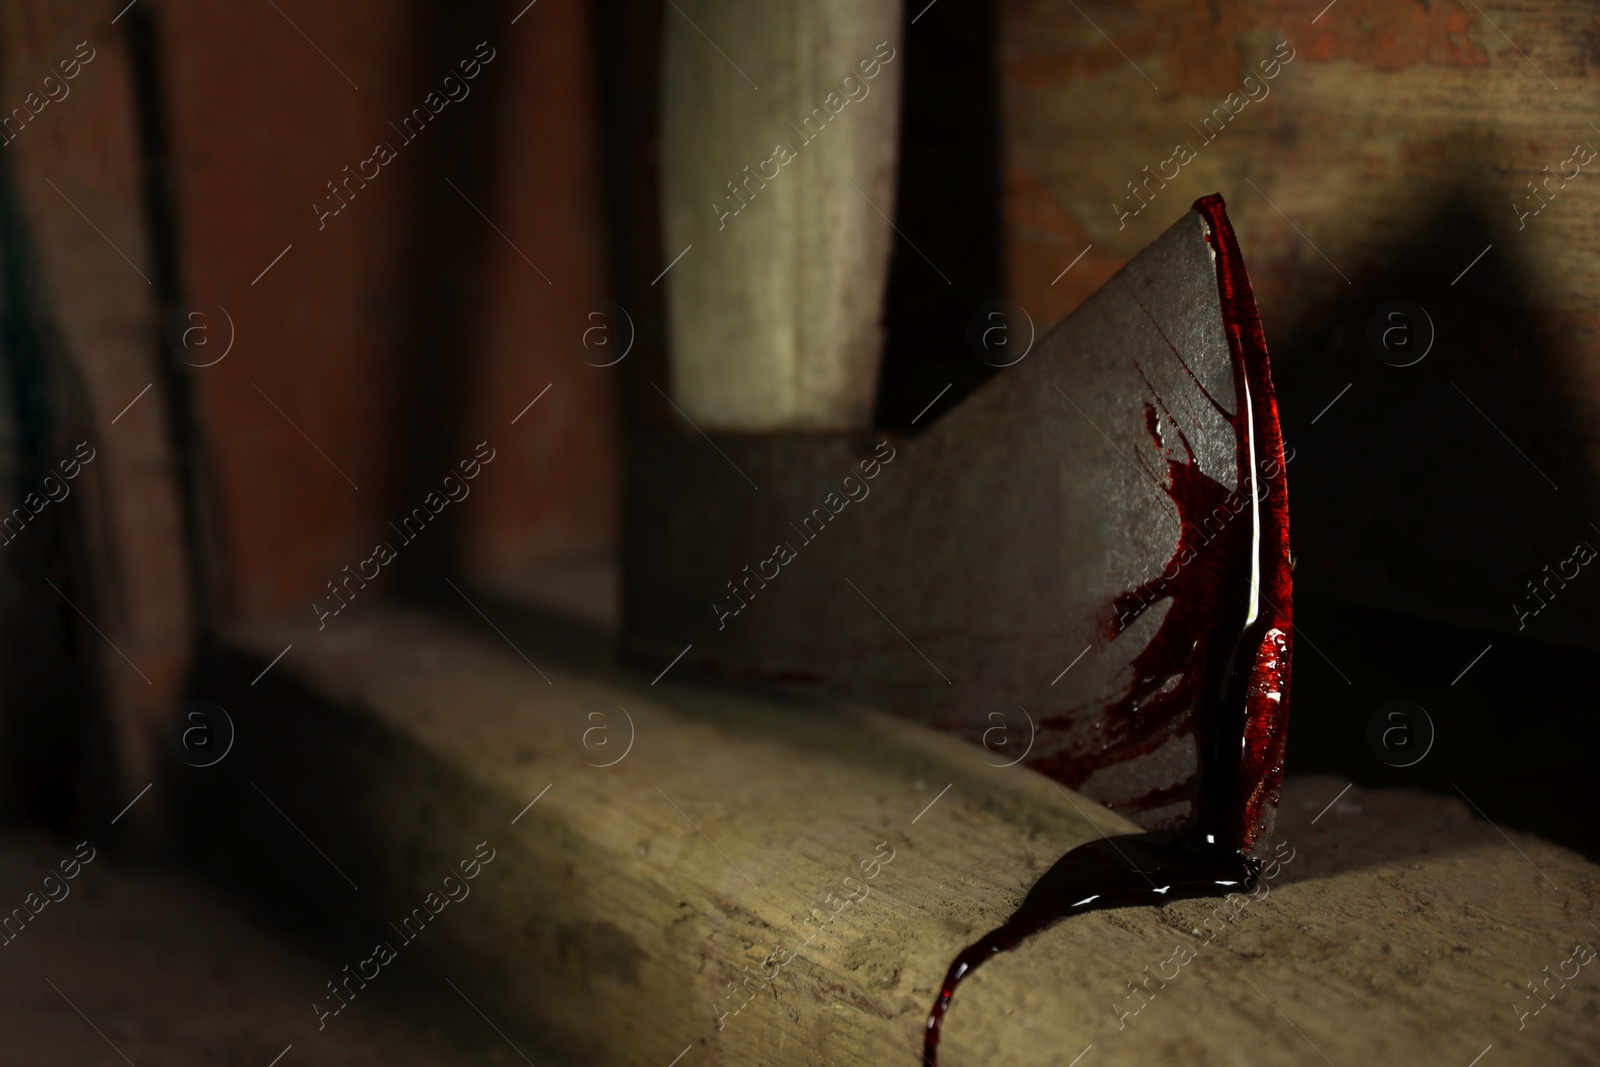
(1083, 566)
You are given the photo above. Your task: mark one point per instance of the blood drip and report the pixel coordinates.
(1237, 681)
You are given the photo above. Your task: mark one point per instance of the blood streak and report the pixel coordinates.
(1218, 666)
(1206, 579)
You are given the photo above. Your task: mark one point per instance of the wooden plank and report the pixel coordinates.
(301, 403)
(777, 179)
(638, 893)
(555, 494)
(421, 319)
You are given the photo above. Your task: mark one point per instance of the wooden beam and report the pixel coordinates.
(627, 903)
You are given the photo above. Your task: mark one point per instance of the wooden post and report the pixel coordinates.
(76, 168)
(779, 125)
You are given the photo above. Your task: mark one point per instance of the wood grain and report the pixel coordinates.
(624, 902)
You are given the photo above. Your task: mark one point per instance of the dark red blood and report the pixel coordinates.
(1114, 872)
(1226, 683)
(1258, 769)
(1207, 578)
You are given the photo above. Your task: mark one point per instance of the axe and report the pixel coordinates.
(1091, 549)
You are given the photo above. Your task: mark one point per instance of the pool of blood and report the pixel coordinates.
(1232, 684)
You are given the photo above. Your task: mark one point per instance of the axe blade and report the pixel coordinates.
(1077, 554)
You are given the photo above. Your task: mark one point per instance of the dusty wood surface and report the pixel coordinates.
(171, 971)
(624, 902)
(775, 312)
(78, 172)
(1392, 144)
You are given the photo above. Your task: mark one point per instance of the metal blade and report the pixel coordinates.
(1014, 566)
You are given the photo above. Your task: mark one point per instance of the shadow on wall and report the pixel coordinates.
(946, 260)
(1510, 729)
(442, 278)
(1424, 501)
(56, 763)
(1432, 488)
